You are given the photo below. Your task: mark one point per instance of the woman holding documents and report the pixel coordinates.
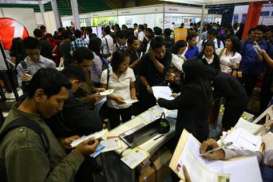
(193, 103)
(121, 79)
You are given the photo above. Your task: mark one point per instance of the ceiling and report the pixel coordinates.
(211, 2)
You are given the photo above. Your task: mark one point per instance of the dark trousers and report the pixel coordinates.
(116, 116)
(249, 82)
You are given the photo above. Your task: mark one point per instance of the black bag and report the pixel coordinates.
(21, 122)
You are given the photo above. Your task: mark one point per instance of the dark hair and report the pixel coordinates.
(17, 45)
(209, 43)
(141, 27)
(81, 54)
(95, 45)
(107, 30)
(158, 31)
(261, 28)
(157, 42)
(178, 45)
(43, 28)
(78, 33)
(124, 27)
(236, 44)
(38, 33)
(48, 79)
(74, 72)
(167, 32)
(66, 34)
(122, 34)
(212, 32)
(131, 40)
(31, 43)
(191, 35)
(89, 30)
(150, 31)
(118, 58)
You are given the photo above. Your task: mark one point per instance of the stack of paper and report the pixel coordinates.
(248, 126)
(163, 92)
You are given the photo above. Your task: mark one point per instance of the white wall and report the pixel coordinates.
(25, 16)
(241, 11)
(50, 22)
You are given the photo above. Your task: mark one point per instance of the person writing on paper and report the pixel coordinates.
(265, 156)
(121, 79)
(194, 101)
(31, 152)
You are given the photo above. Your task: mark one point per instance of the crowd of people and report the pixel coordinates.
(63, 74)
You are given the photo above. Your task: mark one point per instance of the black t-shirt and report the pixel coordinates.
(149, 71)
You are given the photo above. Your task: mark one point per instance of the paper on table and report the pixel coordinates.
(243, 140)
(248, 126)
(134, 157)
(96, 135)
(163, 92)
(111, 144)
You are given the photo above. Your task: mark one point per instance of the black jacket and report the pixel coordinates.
(194, 102)
(76, 118)
(231, 89)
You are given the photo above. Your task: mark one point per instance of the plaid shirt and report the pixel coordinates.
(79, 42)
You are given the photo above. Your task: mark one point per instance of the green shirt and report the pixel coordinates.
(25, 158)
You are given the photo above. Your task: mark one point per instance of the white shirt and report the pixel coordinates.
(177, 62)
(120, 85)
(201, 44)
(107, 46)
(33, 67)
(229, 61)
(209, 60)
(96, 68)
(141, 36)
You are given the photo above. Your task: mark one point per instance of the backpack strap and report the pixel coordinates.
(24, 122)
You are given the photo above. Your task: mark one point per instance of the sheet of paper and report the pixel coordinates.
(194, 164)
(134, 157)
(132, 101)
(163, 92)
(243, 140)
(96, 135)
(111, 144)
(187, 154)
(248, 126)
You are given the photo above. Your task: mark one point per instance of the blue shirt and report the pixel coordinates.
(251, 64)
(192, 53)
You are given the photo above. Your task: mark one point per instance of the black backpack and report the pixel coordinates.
(21, 122)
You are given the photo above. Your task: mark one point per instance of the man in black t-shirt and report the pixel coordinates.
(153, 70)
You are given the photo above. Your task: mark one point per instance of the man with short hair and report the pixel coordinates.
(192, 51)
(29, 153)
(107, 43)
(212, 33)
(79, 41)
(252, 64)
(33, 62)
(153, 70)
(121, 41)
(46, 49)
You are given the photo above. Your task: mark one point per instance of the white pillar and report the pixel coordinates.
(56, 13)
(75, 12)
(42, 10)
(202, 18)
